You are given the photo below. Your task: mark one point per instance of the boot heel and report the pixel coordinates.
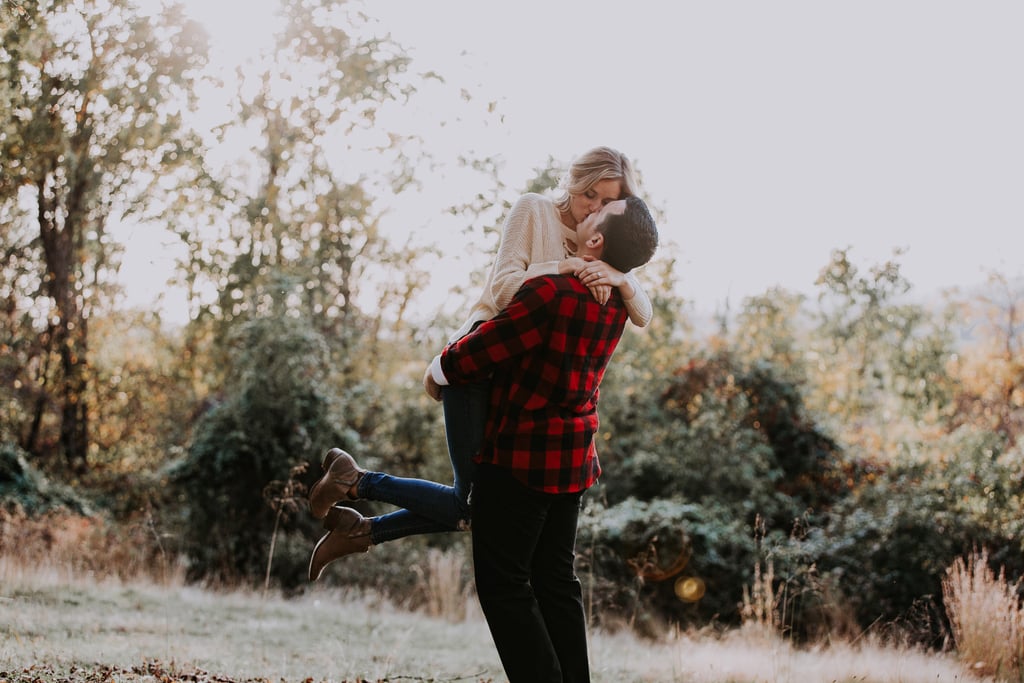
(333, 517)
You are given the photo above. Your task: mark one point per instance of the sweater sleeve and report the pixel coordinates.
(512, 265)
(639, 307)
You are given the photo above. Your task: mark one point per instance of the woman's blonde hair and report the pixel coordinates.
(600, 163)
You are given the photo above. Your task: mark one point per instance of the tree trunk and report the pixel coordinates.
(69, 337)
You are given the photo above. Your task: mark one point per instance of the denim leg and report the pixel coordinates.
(402, 523)
(429, 507)
(465, 414)
(511, 526)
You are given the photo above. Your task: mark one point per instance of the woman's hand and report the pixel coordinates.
(575, 265)
(569, 266)
(594, 273)
(601, 293)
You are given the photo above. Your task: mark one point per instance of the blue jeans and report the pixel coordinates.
(525, 578)
(429, 507)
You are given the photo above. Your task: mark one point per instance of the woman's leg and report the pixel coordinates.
(465, 415)
(429, 507)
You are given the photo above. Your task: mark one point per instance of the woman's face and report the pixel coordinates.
(591, 201)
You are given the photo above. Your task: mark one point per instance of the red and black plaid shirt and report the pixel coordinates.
(547, 351)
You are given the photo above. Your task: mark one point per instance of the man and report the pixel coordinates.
(546, 353)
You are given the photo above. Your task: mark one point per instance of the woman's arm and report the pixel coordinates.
(638, 304)
(512, 266)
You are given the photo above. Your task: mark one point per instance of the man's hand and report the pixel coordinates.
(432, 388)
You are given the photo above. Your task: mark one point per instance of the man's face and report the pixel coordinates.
(588, 228)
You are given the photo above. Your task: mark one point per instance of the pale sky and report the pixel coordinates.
(769, 132)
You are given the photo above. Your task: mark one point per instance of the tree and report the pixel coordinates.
(294, 228)
(96, 95)
(880, 361)
(992, 370)
(768, 328)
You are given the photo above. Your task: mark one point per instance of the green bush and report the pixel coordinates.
(632, 554)
(887, 547)
(275, 416)
(24, 486)
(720, 433)
(698, 465)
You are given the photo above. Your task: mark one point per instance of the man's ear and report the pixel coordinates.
(596, 241)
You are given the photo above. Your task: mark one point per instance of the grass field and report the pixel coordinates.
(70, 629)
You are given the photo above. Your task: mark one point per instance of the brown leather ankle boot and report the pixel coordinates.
(339, 480)
(349, 533)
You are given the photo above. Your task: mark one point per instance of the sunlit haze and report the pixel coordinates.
(769, 133)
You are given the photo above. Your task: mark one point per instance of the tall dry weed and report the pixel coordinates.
(986, 617)
(443, 585)
(761, 610)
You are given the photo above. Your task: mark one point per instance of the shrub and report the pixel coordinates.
(633, 555)
(721, 433)
(26, 488)
(275, 414)
(888, 546)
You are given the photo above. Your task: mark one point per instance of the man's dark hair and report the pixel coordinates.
(630, 237)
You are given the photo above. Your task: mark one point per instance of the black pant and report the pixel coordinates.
(524, 546)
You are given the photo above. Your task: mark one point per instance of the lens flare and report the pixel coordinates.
(689, 588)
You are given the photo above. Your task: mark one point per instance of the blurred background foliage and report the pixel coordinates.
(854, 444)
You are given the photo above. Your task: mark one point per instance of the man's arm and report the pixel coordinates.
(516, 330)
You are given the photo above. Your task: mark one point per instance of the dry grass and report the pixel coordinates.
(446, 589)
(78, 626)
(80, 603)
(987, 619)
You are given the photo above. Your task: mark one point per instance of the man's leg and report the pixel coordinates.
(507, 520)
(558, 590)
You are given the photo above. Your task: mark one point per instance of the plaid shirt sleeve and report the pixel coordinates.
(546, 354)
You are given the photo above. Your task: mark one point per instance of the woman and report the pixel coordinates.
(538, 238)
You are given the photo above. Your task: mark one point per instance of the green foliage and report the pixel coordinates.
(887, 547)
(718, 432)
(275, 413)
(768, 330)
(25, 487)
(882, 359)
(694, 464)
(633, 553)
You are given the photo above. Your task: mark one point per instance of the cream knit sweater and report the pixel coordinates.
(532, 244)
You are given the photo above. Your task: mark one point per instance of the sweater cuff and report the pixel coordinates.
(437, 373)
(634, 283)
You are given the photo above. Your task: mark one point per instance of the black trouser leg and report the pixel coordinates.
(558, 589)
(523, 545)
